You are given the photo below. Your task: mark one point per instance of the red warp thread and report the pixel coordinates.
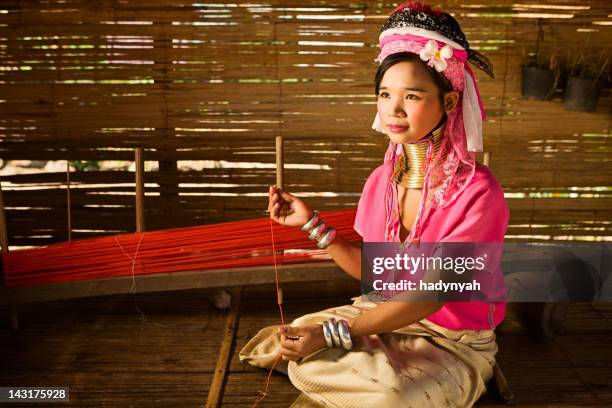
(216, 246)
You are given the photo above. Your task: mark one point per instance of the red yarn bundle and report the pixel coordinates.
(225, 245)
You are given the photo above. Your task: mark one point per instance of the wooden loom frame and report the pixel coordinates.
(212, 278)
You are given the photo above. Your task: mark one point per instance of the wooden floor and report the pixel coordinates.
(160, 350)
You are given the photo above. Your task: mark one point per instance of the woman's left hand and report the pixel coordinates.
(298, 342)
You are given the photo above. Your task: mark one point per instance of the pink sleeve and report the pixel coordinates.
(361, 210)
(483, 216)
(362, 206)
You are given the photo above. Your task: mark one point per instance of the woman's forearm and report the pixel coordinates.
(346, 255)
(390, 316)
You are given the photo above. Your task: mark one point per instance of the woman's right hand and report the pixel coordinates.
(286, 209)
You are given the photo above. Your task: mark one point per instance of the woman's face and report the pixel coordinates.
(408, 103)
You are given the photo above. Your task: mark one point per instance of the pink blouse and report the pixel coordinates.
(479, 214)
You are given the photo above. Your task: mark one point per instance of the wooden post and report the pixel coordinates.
(68, 201)
(140, 219)
(486, 158)
(280, 162)
(216, 386)
(280, 167)
(13, 316)
(168, 165)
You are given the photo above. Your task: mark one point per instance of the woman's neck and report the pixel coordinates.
(409, 170)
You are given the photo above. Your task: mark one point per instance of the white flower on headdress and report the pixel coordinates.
(436, 57)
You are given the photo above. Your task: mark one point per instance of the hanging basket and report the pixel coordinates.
(537, 83)
(582, 94)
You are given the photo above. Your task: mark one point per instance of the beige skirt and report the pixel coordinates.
(420, 365)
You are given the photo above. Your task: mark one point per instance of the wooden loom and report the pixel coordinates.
(161, 282)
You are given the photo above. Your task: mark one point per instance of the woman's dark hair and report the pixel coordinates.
(442, 83)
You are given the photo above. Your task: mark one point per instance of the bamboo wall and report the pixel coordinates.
(209, 86)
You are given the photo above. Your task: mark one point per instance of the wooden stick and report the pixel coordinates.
(13, 316)
(216, 386)
(140, 219)
(164, 282)
(68, 201)
(502, 385)
(280, 164)
(280, 170)
(486, 158)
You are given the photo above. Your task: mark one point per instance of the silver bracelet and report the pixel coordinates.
(311, 222)
(330, 328)
(345, 334)
(334, 332)
(327, 239)
(327, 334)
(318, 231)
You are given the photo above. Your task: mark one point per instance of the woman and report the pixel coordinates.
(429, 189)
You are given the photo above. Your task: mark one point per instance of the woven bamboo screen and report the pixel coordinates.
(205, 88)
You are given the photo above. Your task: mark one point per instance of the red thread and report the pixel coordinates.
(216, 246)
(280, 304)
(264, 393)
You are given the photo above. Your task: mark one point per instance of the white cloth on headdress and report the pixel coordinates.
(432, 35)
(472, 115)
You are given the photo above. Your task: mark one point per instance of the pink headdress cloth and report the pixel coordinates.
(452, 169)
